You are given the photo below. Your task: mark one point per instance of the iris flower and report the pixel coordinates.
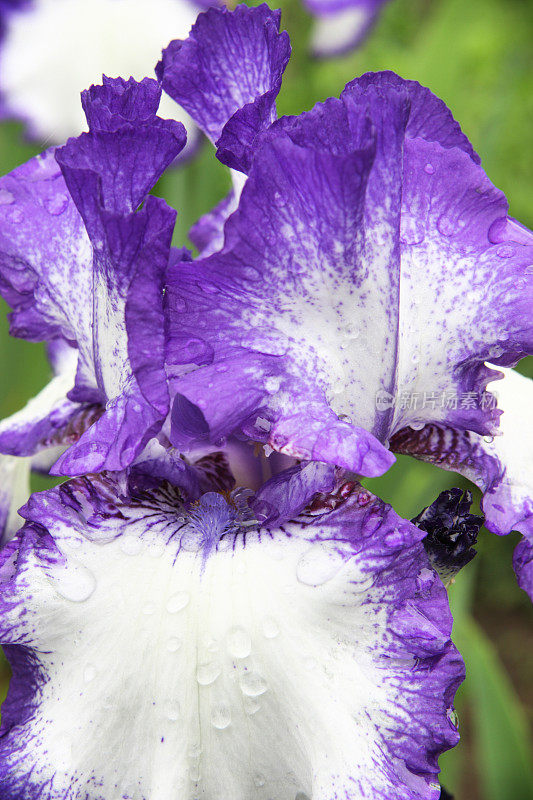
(213, 605)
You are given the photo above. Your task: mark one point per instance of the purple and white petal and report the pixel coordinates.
(213, 657)
(341, 25)
(45, 418)
(80, 262)
(290, 344)
(370, 261)
(14, 492)
(233, 61)
(53, 49)
(500, 464)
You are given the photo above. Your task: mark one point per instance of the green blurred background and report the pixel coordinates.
(478, 56)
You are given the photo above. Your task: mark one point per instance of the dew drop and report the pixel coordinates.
(505, 251)
(416, 426)
(57, 204)
(172, 712)
(394, 539)
(73, 581)
(130, 545)
(270, 628)
(239, 643)
(173, 644)
(252, 684)
(429, 168)
(318, 565)
(445, 226)
(220, 716)
(272, 384)
(195, 750)
(190, 541)
(206, 674)
(15, 215)
(251, 705)
(178, 602)
(452, 715)
(259, 780)
(268, 341)
(156, 549)
(6, 197)
(488, 439)
(89, 673)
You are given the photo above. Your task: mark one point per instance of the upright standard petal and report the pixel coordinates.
(258, 316)
(80, 262)
(233, 61)
(216, 658)
(375, 280)
(52, 49)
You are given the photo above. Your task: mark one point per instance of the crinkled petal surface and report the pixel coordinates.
(501, 465)
(40, 37)
(231, 62)
(368, 273)
(80, 262)
(217, 660)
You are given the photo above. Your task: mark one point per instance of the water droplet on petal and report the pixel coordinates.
(239, 643)
(178, 602)
(15, 215)
(206, 674)
(318, 565)
(220, 716)
(416, 426)
(429, 168)
(268, 341)
(272, 384)
(172, 712)
(173, 644)
(505, 251)
(253, 684)
(452, 715)
(156, 549)
(488, 439)
(89, 673)
(270, 628)
(130, 545)
(445, 226)
(6, 197)
(259, 780)
(73, 581)
(57, 204)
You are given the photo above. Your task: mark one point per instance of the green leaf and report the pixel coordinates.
(502, 740)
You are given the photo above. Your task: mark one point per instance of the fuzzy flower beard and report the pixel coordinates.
(159, 646)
